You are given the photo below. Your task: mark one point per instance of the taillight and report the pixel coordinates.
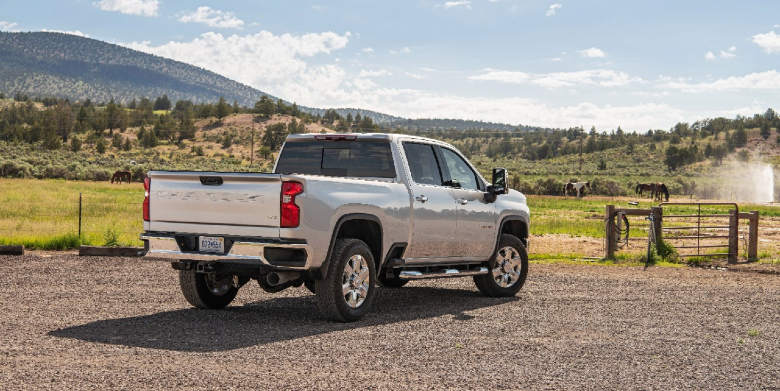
(147, 185)
(291, 213)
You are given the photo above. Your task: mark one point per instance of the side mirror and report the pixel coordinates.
(499, 185)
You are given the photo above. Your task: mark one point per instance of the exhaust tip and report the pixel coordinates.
(273, 279)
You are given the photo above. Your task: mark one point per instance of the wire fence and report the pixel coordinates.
(93, 220)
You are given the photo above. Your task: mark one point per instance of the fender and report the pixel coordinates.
(322, 272)
(501, 226)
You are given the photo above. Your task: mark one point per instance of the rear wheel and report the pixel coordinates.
(345, 295)
(508, 269)
(207, 290)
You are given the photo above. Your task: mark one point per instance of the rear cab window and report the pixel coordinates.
(369, 158)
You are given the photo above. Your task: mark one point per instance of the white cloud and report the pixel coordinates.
(404, 50)
(551, 10)
(596, 77)
(7, 26)
(769, 80)
(76, 32)
(770, 42)
(131, 7)
(730, 53)
(415, 76)
(555, 59)
(515, 77)
(368, 50)
(591, 53)
(318, 7)
(420, 104)
(212, 18)
(463, 3)
(381, 72)
(271, 63)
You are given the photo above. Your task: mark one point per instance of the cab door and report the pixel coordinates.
(476, 226)
(434, 211)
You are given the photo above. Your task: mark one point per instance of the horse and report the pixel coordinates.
(122, 175)
(643, 187)
(658, 189)
(572, 186)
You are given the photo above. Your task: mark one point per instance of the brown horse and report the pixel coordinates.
(659, 189)
(122, 175)
(643, 187)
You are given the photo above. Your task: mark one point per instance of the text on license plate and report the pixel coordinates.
(212, 244)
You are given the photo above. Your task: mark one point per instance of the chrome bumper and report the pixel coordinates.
(249, 253)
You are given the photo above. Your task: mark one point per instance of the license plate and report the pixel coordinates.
(211, 244)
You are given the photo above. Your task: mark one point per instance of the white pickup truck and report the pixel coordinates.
(339, 213)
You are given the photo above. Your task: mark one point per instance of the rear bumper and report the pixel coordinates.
(243, 251)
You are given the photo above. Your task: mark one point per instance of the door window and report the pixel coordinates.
(422, 164)
(461, 174)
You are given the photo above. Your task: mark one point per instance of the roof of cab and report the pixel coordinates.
(352, 137)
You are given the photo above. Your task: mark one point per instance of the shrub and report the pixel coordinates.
(607, 187)
(16, 169)
(548, 186)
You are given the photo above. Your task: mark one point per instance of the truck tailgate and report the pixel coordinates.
(215, 199)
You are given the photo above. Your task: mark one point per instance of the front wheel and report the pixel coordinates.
(207, 290)
(508, 269)
(345, 295)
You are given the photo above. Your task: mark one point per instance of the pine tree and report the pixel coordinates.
(101, 146)
(766, 131)
(223, 109)
(75, 144)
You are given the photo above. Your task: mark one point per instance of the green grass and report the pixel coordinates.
(44, 214)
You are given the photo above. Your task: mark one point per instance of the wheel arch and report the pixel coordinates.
(513, 225)
(362, 226)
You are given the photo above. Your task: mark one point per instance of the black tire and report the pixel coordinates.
(489, 285)
(196, 291)
(391, 282)
(331, 299)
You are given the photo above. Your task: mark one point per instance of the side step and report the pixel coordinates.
(439, 273)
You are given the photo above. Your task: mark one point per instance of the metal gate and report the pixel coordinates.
(703, 229)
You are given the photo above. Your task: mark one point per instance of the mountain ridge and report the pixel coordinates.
(76, 68)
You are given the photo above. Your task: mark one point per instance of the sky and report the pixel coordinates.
(560, 63)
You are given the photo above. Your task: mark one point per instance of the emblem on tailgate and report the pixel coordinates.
(207, 196)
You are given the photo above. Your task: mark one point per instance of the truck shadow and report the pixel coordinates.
(274, 320)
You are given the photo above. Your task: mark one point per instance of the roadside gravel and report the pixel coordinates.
(121, 323)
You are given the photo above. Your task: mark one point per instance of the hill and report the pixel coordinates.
(66, 66)
(76, 68)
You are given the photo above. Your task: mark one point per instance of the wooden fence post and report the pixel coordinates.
(658, 215)
(610, 234)
(733, 236)
(753, 236)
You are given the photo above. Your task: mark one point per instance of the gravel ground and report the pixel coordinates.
(120, 323)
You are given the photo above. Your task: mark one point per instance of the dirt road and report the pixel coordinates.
(119, 323)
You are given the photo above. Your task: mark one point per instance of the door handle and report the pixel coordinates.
(462, 201)
(421, 198)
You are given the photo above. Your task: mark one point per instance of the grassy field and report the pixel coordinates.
(44, 214)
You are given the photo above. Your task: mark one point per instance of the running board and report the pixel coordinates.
(418, 275)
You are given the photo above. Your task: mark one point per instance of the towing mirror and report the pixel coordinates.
(499, 181)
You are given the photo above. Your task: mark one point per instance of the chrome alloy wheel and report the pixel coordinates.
(355, 281)
(218, 286)
(508, 266)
